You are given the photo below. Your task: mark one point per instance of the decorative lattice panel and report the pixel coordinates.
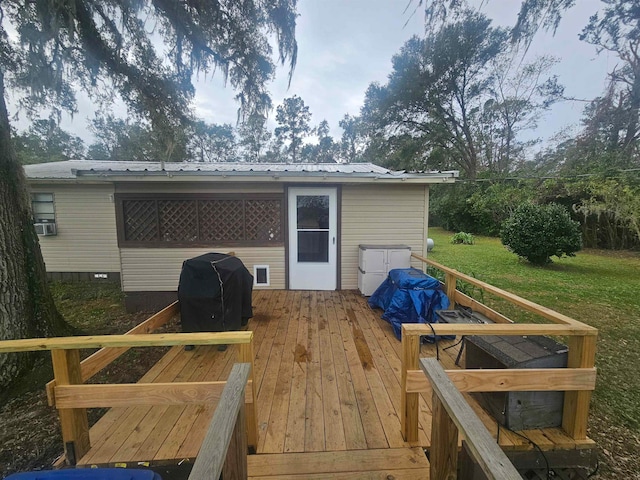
(263, 220)
(178, 220)
(140, 220)
(183, 220)
(221, 220)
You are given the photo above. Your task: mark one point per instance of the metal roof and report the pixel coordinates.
(91, 170)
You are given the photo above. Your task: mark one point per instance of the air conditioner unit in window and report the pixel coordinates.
(45, 229)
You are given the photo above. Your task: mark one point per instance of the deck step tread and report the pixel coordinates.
(374, 475)
(406, 463)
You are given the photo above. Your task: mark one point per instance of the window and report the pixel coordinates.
(43, 208)
(313, 228)
(192, 220)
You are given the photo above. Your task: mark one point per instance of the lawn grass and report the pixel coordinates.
(92, 308)
(597, 287)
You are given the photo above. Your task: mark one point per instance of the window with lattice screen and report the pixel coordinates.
(165, 220)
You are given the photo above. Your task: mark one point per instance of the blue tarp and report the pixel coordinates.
(409, 296)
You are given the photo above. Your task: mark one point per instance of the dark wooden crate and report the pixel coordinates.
(572, 464)
(519, 410)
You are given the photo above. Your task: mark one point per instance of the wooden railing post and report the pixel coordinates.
(224, 448)
(444, 443)
(452, 413)
(73, 421)
(409, 405)
(582, 354)
(235, 463)
(450, 289)
(246, 355)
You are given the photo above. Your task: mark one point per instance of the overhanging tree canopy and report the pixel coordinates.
(150, 52)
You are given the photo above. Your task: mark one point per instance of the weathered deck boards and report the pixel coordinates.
(327, 377)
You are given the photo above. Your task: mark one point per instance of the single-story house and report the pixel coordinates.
(295, 226)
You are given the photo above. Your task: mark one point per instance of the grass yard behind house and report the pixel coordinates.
(597, 287)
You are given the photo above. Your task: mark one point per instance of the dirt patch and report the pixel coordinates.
(29, 429)
(618, 449)
(30, 434)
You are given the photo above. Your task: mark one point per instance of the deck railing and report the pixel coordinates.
(577, 380)
(71, 396)
(224, 449)
(451, 413)
(103, 357)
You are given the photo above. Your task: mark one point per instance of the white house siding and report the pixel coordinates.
(86, 224)
(158, 269)
(381, 214)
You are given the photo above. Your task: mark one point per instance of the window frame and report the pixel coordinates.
(121, 198)
(34, 202)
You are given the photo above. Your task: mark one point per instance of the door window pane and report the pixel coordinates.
(313, 212)
(313, 246)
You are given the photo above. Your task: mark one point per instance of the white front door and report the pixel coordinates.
(313, 228)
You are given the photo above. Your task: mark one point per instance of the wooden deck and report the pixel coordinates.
(328, 380)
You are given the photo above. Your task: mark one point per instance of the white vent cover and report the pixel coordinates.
(261, 276)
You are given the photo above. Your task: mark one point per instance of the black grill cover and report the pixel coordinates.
(215, 293)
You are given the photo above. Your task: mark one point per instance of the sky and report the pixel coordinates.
(344, 45)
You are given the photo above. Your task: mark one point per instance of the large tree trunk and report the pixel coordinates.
(26, 305)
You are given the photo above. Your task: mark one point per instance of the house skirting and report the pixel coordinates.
(111, 277)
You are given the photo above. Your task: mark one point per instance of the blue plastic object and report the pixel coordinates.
(88, 474)
(409, 296)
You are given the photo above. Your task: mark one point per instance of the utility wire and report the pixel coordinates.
(546, 177)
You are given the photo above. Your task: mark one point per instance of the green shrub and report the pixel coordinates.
(463, 238)
(538, 232)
